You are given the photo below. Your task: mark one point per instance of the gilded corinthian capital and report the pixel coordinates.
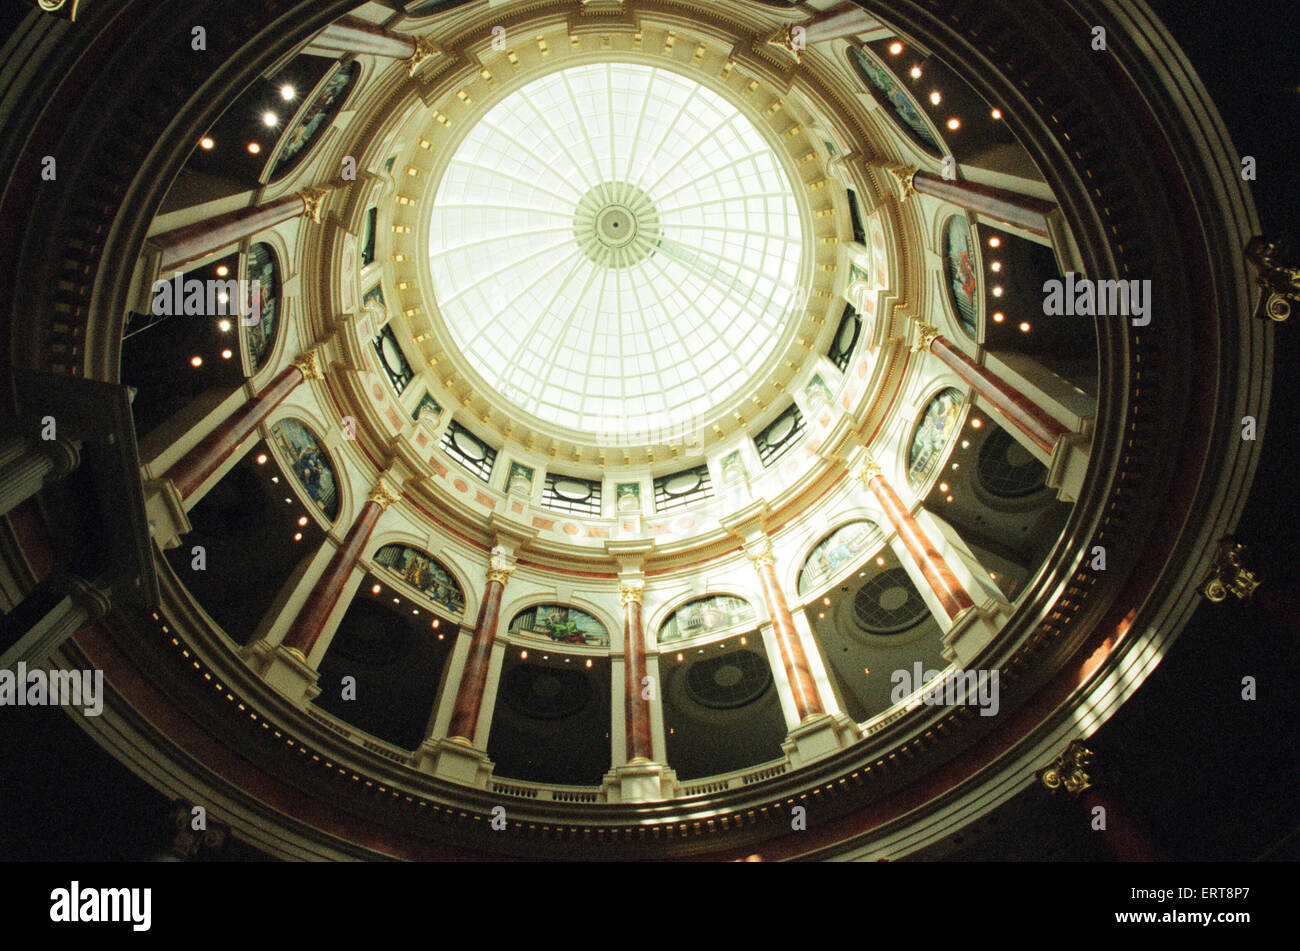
(925, 335)
(760, 552)
(867, 470)
(631, 592)
(312, 363)
(501, 565)
(1069, 770)
(383, 494)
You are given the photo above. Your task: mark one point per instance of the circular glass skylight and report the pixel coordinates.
(615, 249)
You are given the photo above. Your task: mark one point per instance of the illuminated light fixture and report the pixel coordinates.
(950, 498)
(826, 601)
(976, 423)
(297, 536)
(997, 292)
(436, 622)
(965, 443)
(222, 270)
(254, 148)
(588, 661)
(821, 616)
(879, 561)
(954, 123)
(943, 486)
(743, 641)
(916, 72)
(270, 120)
(523, 655)
(999, 317)
(996, 113)
(1024, 326)
(196, 361)
(275, 479)
(866, 670)
(207, 143)
(375, 589)
(895, 48)
(993, 575)
(223, 326)
(680, 658)
(441, 636)
(935, 98)
(995, 266)
(223, 297)
(226, 354)
(415, 610)
(302, 520)
(954, 465)
(995, 242)
(288, 501)
(261, 459)
(288, 93)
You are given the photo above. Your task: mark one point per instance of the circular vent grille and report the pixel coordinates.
(544, 693)
(889, 604)
(1007, 470)
(732, 680)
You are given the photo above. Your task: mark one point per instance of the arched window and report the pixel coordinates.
(715, 612)
(560, 623)
(848, 544)
(310, 464)
(887, 90)
(424, 573)
(963, 273)
(263, 276)
(315, 119)
(931, 436)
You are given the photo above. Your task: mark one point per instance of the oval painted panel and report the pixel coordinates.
(569, 489)
(780, 430)
(467, 444)
(681, 484)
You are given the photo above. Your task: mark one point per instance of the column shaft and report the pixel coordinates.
(1019, 211)
(352, 35)
(309, 623)
(190, 471)
(27, 464)
(925, 554)
(1019, 410)
(802, 685)
(473, 679)
(190, 243)
(636, 710)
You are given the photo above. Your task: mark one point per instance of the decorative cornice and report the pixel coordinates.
(424, 49)
(1069, 770)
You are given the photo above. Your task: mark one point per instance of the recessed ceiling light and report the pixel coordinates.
(207, 143)
(196, 361)
(270, 120)
(935, 98)
(254, 148)
(895, 48)
(288, 93)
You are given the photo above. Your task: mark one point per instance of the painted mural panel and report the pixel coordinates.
(717, 612)
(890, 92)
(423, 573)
(963, 279)
(847, 545)
(562, 624)
(937, 426)
(310, 464)
(316, 118)
(264, 287)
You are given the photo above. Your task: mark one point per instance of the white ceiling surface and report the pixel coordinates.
(606, 349)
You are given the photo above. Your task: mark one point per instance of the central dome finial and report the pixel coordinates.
(616, 224)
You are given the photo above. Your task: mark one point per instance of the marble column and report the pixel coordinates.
(82, 603)
(193, 469)
(181, 247)
(27, 464)
(473, 679)
(636, 708)
(925, 554)
(803, 686)
(1021, 212)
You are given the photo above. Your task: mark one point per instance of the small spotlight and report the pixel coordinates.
(288, 93)
(950, 498)
(261, 459)
(222, 270)
(995, 242)
(880, 562)
(196, 361)
(207, 143)
(374, 589)
(997, 292)
(270, 120)
(943, 486)
(397, 600)
(302, 520)
(996, 113)
(935, 98)
(680, 658)
(523, 655)
(743, 641)
(954, 123)
(821, 616)
(916, 72)
(995, 266)
(1024, 326)
(227, 354)
(999, 317)
(826, 601)
(895, 48)
(436, 622)
(254, 148)
(297, 536)
(588, 661)
(223, 326)
(976, 423)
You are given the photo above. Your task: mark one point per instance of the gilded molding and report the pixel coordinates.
(313, 200)
(383, 495)
(425, 48)
(631, 592)
(926, 335)
(1279, 277)
(868, 470)
(311, 362)
(1228, 574)
(1069, 770)
(905, 176)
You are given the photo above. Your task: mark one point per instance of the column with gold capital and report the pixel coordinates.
(636, 702)
(473, 679)
(803, 685)
(1125, 835)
